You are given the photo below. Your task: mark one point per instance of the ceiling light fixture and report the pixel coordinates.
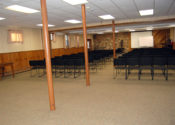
(49, 25)
(149, 28)
(132, 30)
(72, 21)
(172, 25)
(146, 12)
(22, 9)
(100, 33)
(76, 2)
(106, 17)
(108, 31)
(2, 18)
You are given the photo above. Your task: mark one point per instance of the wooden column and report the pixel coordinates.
(85, 44)
(47, 55)
(113, 30)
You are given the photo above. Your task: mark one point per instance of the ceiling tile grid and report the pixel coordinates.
(162, 7)
(144, 4)
(59, 11)
(172, 9)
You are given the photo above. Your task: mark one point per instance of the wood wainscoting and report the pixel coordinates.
(160, 37)
(20, 60)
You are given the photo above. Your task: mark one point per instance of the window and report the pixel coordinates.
(66, 41)
(15, 36)
(52, 37)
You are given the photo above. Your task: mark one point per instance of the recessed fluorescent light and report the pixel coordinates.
(108, 31)
(106, 17)
(172, 25)
(49, 25)
(76, 2)
(100, 33)
(149, 28)
(72, 21)
(2, 18)
(132, 30)
(21, 9)
(146, 12)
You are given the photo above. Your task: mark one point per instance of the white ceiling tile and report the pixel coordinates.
(127, 7)
(144, 4)
(58, 11)
(162, 7)
(172, 9)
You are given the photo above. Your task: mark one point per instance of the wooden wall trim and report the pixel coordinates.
(21, 59)
(160, 37)
(118, 24)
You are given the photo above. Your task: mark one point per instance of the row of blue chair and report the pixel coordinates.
(140, 59)
(73, 64)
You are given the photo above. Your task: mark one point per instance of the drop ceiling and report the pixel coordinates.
(59, 11)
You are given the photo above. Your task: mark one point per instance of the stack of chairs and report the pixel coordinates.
(146, 58)
(74, 65)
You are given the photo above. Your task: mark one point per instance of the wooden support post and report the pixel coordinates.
(47, 55)
(85, 44)
(113, 30)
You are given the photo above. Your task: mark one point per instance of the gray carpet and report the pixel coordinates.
(24, 100)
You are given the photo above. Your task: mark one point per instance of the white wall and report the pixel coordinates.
(58, 43)
(31, 37)
(33, 40)
(72, 41)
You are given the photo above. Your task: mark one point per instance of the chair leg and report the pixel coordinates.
(114, 72)
(163, 70)
(117, 72)
(64, 71)
(55, 71)
(74, 71)
(139, 74)
(152, 74)
(129, 72)
(166, 74)
(126, 73)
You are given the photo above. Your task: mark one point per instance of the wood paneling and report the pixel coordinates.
(20, 60)
(104, 41)
(172, 36)
(160, 37)
(129, 43)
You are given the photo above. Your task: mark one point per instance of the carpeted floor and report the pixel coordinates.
(24, 100)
